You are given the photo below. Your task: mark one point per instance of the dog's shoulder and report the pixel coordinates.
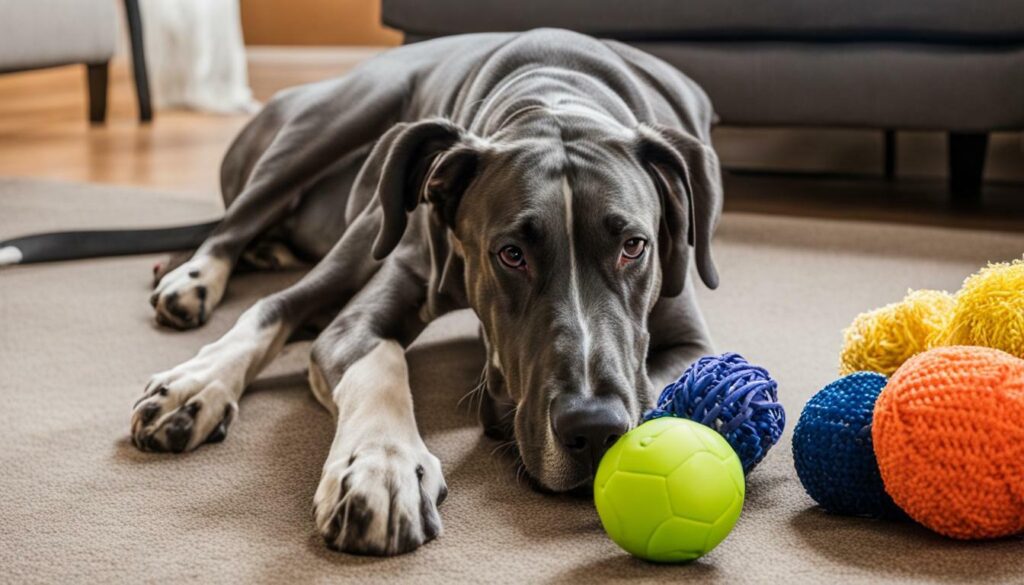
(670, 88)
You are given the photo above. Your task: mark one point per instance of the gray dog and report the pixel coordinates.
(553, 183)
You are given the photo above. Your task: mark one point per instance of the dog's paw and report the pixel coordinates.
(186, 296)
(379, 500)
(181, 409)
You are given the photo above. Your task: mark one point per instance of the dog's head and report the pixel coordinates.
(565, 238)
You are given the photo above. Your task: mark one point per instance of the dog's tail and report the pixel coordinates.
(76, 245)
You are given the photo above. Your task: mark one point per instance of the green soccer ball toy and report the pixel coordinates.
(670, 490)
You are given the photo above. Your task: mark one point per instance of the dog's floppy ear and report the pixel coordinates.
(429, 160)
(688, 179)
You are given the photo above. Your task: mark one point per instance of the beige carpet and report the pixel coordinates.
(79, 504)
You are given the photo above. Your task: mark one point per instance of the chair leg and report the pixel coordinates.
(966, 166)
(889, 157)
(134, 17)
(97, 76)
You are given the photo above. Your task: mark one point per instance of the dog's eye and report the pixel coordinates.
(512, 257)
(634, 248)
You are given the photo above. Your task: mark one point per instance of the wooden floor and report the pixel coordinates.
(827, 173)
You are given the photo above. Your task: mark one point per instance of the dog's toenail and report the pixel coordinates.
(151, 444)
(359, 517)
(178, 433)
(148, 412)
(218, 434)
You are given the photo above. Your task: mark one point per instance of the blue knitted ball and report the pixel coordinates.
(832, 448)
(728, 394)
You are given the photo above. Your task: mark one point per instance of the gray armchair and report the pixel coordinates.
(951, 65)
(36, 34)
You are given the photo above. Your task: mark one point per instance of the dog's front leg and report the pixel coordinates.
(194, 403)
(380, 486)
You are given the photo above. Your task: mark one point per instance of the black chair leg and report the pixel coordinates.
(138, 59)
(889, 157)
(97, 76)
(966, 166)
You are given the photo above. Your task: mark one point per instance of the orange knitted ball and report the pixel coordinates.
(949, 437)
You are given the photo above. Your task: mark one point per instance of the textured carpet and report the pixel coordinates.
(79, 504)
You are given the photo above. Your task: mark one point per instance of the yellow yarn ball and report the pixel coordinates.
(989, 309)
(881, 340)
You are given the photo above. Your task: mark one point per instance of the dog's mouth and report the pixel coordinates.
(566, 477)
(548, 465)
(538, 460)
(582, 491)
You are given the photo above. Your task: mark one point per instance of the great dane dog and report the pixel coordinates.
(555, 184)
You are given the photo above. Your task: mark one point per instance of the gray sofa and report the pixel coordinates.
(35, 34)
(950, 65)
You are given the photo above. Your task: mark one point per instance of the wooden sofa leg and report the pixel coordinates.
(98, 76)
(966, 166)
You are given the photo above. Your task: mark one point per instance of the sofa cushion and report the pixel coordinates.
(858, 85)
(45, 33)
(940, 20)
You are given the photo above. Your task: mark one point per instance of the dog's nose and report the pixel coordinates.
(587, 426)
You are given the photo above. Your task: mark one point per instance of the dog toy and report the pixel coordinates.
(833, 452)
(670, 490)
(881, 340)
(989, 309)
(728, 394)
(949, 438)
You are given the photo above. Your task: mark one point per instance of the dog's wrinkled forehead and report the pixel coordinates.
(529, 178)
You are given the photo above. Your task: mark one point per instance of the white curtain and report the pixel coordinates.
(196, 55)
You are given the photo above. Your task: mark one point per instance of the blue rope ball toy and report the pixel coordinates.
(732, 396)
(833, 452)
